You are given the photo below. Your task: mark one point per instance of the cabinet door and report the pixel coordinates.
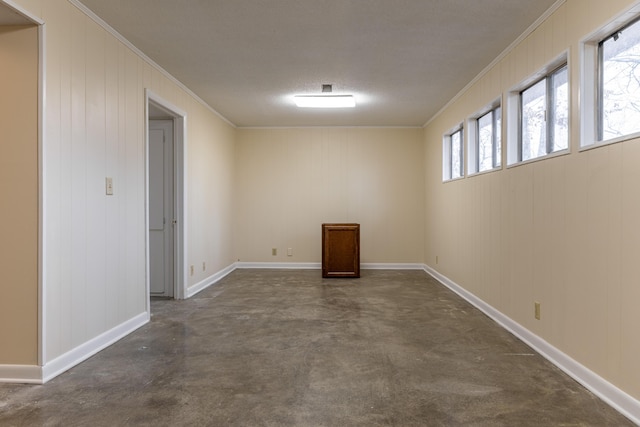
(340, 250)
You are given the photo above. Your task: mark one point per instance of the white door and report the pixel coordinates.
(161, 208)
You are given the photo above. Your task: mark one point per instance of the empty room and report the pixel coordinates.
(320, 213)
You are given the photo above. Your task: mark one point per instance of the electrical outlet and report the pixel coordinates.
(192, 270)
(289, 251)
(537, 310)
(274, 251)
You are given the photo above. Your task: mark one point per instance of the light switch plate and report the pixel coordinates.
(109, 186)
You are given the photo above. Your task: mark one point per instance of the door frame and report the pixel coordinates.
(179, 157)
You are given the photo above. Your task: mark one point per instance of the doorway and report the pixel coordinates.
(161, 209)
(165, 182)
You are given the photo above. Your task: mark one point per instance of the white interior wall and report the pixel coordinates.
(94, 279)
(94, 245)
(290, 181)
(561, 231)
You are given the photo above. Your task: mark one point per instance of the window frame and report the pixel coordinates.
(473, 138)
(590, 81)
(447, 154)
(549, 114)
(514, 113)
(600, 82)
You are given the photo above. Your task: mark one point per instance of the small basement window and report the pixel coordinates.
(453, 155)
(485, 140)
(619, 83)
(544, 116)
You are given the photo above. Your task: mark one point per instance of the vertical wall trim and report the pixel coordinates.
(42, 184)
(147, 258)
(180, 178)
(181, 201)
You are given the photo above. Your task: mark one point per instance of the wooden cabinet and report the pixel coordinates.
(340, 250)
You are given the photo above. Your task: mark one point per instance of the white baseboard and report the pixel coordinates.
(612, 395)
(21, 374)
(204, 284)
(281, 265)
(84, 351)
(391, 266)
(318, 266)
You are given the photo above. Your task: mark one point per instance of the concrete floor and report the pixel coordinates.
(288, 348)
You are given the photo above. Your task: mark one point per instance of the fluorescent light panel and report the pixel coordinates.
(325, 101)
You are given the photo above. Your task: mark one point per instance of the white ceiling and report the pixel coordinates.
(402, 59)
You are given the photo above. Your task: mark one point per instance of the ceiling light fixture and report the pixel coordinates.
(325, 101)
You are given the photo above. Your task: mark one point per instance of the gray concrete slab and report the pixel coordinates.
(288, 348)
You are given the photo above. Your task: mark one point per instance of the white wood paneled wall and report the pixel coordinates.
(562, 231)
(94, 246)
(290, 181)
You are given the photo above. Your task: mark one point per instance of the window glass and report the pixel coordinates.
(620, 83)
(498, 136)
(560, 115)
(485, 142)
(453, 155)
(534, 142)
(544, 106)
(456, 154)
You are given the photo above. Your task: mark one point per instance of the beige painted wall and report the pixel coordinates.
(94, 250)
(290, 181)
(561, 231)
(210, 195)
(19, 195)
